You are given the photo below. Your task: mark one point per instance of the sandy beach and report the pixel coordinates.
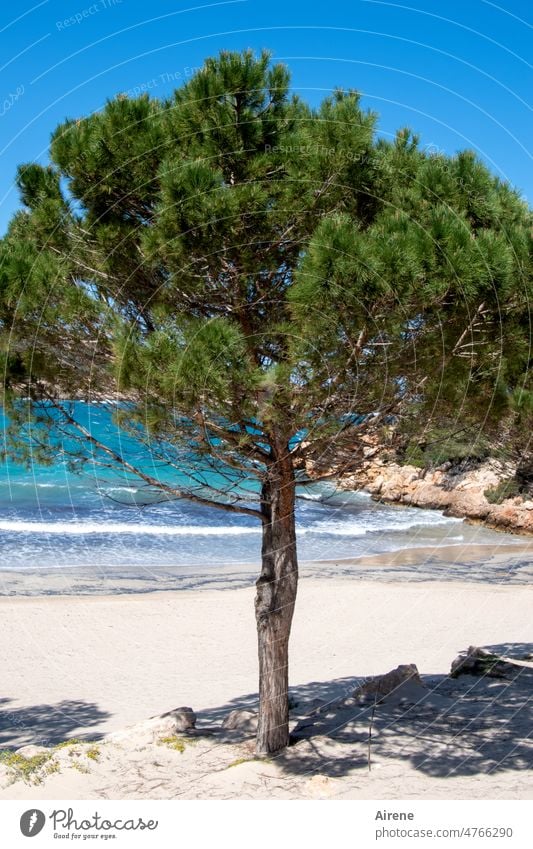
(84, 666)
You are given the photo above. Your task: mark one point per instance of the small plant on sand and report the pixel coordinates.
(239, 761)
(93, 753)
(75, 752)
(80, 767)
(177, 743)
(52, 767)
(256, 758)
(66, 743)
(27, 769)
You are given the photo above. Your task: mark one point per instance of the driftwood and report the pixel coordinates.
(477, 661)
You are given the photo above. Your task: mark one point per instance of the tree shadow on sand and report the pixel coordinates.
(453, 727)
(46, 725)
(303, 699)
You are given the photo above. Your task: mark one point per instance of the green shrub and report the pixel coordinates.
(507, 488)
(27, 769)
(442, 446)
(177, 743)
(253, 759)
(65, 743)
(414, 456)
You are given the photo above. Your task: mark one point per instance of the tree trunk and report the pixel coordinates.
(274, 604)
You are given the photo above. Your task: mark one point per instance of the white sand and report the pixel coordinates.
(79, 665)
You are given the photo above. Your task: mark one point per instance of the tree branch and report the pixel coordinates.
(151, 481)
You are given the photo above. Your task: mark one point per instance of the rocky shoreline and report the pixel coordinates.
(457, 489)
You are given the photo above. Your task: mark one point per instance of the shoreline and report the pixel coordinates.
(507, 563)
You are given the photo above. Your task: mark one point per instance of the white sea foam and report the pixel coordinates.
(32, 485)
(104, 489)
(328, 494)
(80, 528)
(379, 523)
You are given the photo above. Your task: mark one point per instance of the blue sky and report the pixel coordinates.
(456, 72)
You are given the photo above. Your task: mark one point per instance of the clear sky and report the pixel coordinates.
(457, 72)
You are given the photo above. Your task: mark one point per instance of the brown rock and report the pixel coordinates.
(458, 490)
(184, 718)
(175, 721)
(31, 751)
(390, 683)
(241, 720)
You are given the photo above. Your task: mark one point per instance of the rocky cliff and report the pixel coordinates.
(457, 489)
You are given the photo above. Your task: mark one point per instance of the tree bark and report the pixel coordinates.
(274, 603)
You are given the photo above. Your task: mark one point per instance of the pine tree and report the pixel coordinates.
(260, 283)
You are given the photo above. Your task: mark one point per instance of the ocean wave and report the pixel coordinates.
(104, 489)
(354, 528)
(99, 490)
(33, 485)
(328, 493)
(81, 528)
(388, 519)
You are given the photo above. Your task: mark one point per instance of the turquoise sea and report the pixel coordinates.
(52, 519)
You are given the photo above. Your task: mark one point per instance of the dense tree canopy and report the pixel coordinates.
(260, 282)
